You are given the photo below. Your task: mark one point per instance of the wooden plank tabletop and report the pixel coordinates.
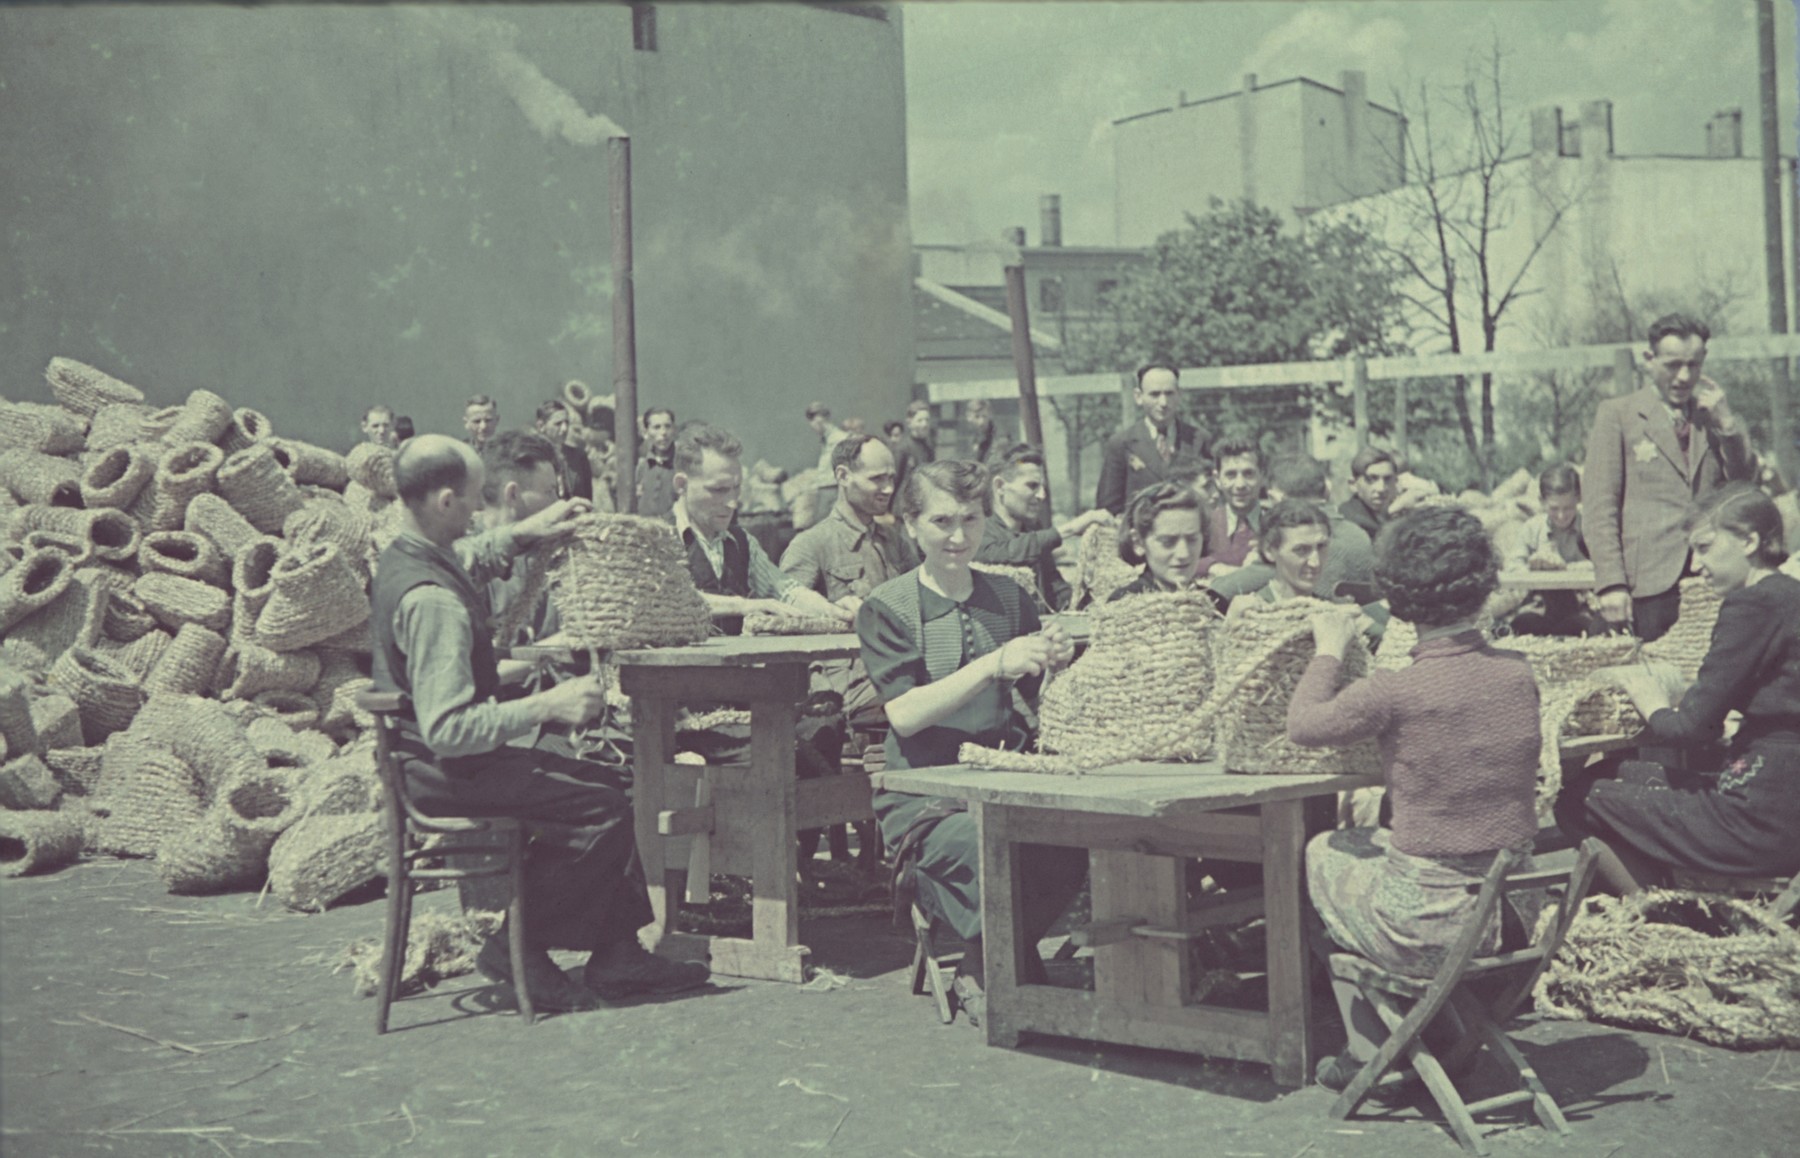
(719, 651)
(1139, 788)
(1591, 745)
(1572, 579)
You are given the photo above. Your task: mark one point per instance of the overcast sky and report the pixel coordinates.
(1009, 100)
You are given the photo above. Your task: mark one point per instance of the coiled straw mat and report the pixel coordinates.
(1099, 570)
(770, 623)
(204, 418)
(45, 429)
(372, 468)
(623, 582)
(1719, 969)
(182, 472)
(311, 465)
(325, 856)
(189, 664)
(1687, 643)
(144, 794)
(185, 553)
(37, 842)
(317, 595)
(213, 517)
(248, 427)
(229, 846)
(1264, 650)
(26, 783)
(84, 389)
(253, 482)
(175, 601)
(39, 579)
(40, 478)
(106, 694)
(117, 477)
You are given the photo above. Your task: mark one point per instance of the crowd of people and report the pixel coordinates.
(953, 653)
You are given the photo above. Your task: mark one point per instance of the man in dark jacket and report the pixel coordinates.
(1016, 534)
(1144, 452)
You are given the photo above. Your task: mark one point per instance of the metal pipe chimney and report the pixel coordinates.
(1050, 219)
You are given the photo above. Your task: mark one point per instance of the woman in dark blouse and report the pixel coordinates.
(945, 647)
(1162, 531)
(1743, 817)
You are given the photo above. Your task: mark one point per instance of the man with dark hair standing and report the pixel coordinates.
(1016, 534)
(1375, 479)
(430, 623)
(481, 417)
(656, 469)
(914, 447)
(1653, 455)
(553, 422)
(1232, 526)
(982, 443)
(1142, 454)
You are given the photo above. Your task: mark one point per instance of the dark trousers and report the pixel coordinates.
(1653, 615)
(584, 888)
(949, 879)
(1558, 613)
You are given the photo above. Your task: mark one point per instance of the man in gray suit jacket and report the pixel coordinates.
(1144, 452)
(1652, 456)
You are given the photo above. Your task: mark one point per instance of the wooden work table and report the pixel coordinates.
(1569, 579)
(1140, 822)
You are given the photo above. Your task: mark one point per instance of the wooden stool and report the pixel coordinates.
(929, 967)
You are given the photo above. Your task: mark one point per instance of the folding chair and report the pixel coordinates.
(929, 966)
(1452, 991)
(499, 843)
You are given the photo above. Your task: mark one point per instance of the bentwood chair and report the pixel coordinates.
(1407, 1005)
(494, 847)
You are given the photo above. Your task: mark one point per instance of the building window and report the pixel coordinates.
(1050, 295)
(643, 27)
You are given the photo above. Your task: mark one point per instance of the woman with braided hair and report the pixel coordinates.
(1459, 736)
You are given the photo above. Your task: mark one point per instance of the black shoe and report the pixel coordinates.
(634, 971)
(550, 988)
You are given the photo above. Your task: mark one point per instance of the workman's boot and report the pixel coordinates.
(629, 970)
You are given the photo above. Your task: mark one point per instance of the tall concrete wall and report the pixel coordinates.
(307, 209)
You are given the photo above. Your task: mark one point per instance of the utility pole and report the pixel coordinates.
(1781, 429)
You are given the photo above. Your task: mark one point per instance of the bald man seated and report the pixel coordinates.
(583, 887)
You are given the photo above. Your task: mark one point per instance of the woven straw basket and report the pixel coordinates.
(145, 793)
(39, 478)
(343, 785)
(1024, 576)
(188, 665)
(37, 842)
(117, 477)
(185, 553)
(126, 618)
(1099, 570)
(26, 783)
(317, 595)
(106, 694)
(123, 424)
(229, 846)
(253, 482)
(248, 427)
(16, 729)
(76, 547)
(57, 719)
(323, 857)
(295, 709)
(140, 655)
(78, 618)
(313, 465)
(1687, 643)
(113, 535)
(201, 733)
(250, 669)
(272, 736)
(205, 418)
(213, 517)
(252, 575)
(1263, 653)
(182, 473)
(175, 601)
(39, 579)
(45, 429)
(624, 583)
(76, 769)
(340, 679)
(84, 389)
(372, 468)
(331, 521)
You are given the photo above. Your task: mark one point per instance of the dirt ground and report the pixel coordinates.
(133, 1022)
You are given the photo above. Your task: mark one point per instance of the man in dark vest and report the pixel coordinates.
(1148, 451)
(656, 469)
(584, 890)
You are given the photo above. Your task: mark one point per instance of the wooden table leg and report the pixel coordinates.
(653, 744)
(1290, 996)
(1002, 920)
(1138, 970)
(776, 900)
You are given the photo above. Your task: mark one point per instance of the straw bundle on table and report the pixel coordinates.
(251, 668)
(75, 546)
(623, 582)
(40, 478)
(1001, 760)
(248, 428)
(16, 729)
(1140, 689)
(45, 429)
(37, 842)
(1719, 969)
(140, 655)
(213, 517)
(185, 553)
(117, 478)
(1099, 570)
(182, 473)
(295, 709)
(39, 579)
(769, 623)
(1024, 576)
(25, 783)
(84, 389)
(1687, 642)
(229, 846)
(125, 423)
(372, 468)
(145, 793)
(1264, 651)
(439, 946)
(309, 464)
(76, 769)
(187, 666)
(57, 719)
(106, 694)
(323, 857)
(253, 482)
(273, 736)
(317, 595)
(205, 418)
(175, 601)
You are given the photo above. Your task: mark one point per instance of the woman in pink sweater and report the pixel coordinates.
(1458, 735)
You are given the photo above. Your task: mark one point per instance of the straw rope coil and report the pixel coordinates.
(295, 709)
(27, 783)
(189, 664)
(205, 417)
(229, 846)
(76, 546)
(311, 465)
(183, 472)
(212, 516)
(770, 623)
(253, 482)
(175, 601)
(145, 794)
(188, 554)
(1099, 570)
(248, 428)
(84, 389)
(372, 468)
(125, 423)
(324, 857)
(1265, 649)
(252, 574)
(623, 582)
(106, 694)
(37, 842)
(1687, 643)
(1719, 969)
(76, 769)
(316, 595)
(45, 429)
(117, 477)
(57, 719)
(250, 669)
(439, 946)
(39, 579)
(16, 729)
(35, 478)
(115, 536)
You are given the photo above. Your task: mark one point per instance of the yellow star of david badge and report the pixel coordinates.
(1645, 450)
